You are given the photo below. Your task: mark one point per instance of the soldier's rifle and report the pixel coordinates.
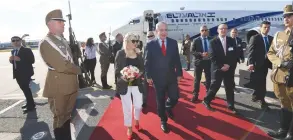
(84, 80)
(289, 77)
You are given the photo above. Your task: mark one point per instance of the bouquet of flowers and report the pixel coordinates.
(130, 73)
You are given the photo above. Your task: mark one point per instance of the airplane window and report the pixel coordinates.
(203, 19)
(265, 19)
(275, 19)
(186, 20)
(172, 20)
(213, 19)
(181, 20)
(199, 20)
(208, 19)
(194, 20)
(221, 19)
(218, 19)
(190, 20)
(177, 20)
(226, 19)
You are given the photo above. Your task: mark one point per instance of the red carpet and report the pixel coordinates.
(192, 121)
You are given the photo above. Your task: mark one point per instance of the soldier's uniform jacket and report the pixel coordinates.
(186, 47)
(62, 74)
(278, 52)
(105, 53)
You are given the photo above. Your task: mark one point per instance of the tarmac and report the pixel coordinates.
(91, 104)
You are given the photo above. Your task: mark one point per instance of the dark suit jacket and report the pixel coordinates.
(256, 51)
(162, 69)
(239, 49)
(116, 47)
(196, 49)
(120, 63)
(217, 54)
(24, 67)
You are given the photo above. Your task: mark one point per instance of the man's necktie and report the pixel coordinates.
(15, 54)
(224, 45)
(163, 48)
(267, 45)
(205, 45)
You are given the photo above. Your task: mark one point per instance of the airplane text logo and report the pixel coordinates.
(190, 15)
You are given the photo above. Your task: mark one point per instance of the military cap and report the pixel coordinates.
(102, 34)
(15, 38)
(288, 10)
(54, 15)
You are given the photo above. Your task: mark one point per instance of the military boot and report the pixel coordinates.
(58, 132)
(285, 122)
(66, 130)
(104, 83)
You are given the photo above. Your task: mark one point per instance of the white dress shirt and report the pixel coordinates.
(224, 43)
(90, 52)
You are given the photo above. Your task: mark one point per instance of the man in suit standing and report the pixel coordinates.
(240, 55)
(199, 49)
(116, 47)
(61, 87)
(223, 55)
(164, 71)
(22, 60)
(259, 63)
(105, 55)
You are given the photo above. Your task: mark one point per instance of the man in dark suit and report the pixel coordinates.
(116, 47)
(164, 71)
(199, 49)
(223, 55)
(258, 62)
(240, 55)
(22, 59)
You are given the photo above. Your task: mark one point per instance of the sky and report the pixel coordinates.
(91, 17)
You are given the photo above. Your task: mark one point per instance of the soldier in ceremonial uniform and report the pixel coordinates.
(280, 56)
(186, 50)
(105, 55)
(61, 85)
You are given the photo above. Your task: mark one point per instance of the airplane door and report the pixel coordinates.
(148, 21)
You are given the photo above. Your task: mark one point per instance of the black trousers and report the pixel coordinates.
(23, 82)
(197, 74)
(146, 90)
(90, 66)
(172, 91)
(217, 77)
(259, 77)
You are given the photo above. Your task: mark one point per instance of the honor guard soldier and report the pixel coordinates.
(186, 50)
(105, 55)
(281, 57)
(61, 85)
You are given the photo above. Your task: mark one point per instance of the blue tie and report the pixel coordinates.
(267, 45)
(205, 44)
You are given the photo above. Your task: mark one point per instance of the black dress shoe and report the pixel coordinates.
(194, 98)
(26, 110)
(280, 134)
(170, 113)
(208, 106)
(232, 109)
(23, 106)
(107, 87)
(164, 127)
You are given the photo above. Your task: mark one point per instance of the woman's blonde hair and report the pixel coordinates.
(127, 39)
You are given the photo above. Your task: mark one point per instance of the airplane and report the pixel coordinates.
(184, 22)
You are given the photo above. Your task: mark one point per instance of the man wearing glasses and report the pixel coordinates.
(199, 49)
(223, 55)
(22, 60)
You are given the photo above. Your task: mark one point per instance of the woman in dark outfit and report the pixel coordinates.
(129, 56)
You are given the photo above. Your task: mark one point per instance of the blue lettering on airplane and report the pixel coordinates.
(190, 15)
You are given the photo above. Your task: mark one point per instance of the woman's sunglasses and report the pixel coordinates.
(150, 36)
(134, 41)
